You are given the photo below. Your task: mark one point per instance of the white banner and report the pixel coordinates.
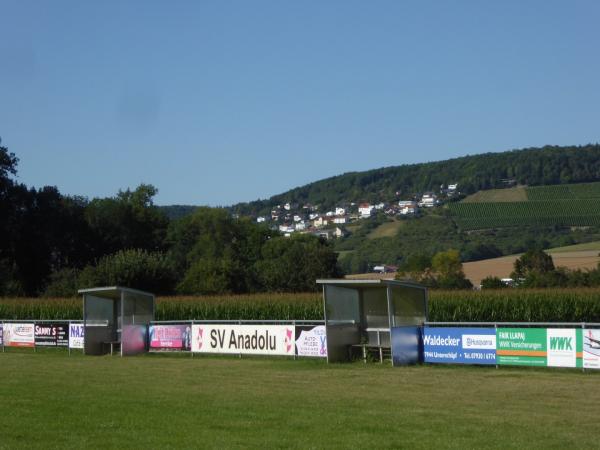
(243, 339)
(18, 335)
(561, 346)
(76, 335)
(312, 342)
(591, 349)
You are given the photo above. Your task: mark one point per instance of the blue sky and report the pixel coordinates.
(226, 101)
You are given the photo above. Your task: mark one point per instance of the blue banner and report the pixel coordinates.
(459, 345)
(405, 345)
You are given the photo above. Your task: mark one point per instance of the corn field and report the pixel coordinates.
(506, 305)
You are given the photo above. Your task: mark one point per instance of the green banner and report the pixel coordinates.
(521, 346)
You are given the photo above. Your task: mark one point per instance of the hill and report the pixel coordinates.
(531, 166)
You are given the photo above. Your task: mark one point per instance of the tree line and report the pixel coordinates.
(53, 244)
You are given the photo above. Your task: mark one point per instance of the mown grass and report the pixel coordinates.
(51, 400)
(515, 194)
(387, 229)
(594, 245)
(505, 305)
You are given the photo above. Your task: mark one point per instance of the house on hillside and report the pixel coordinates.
(320, 222)
(428, 200)
(339, 232)
(340, 211)
(261, 219)
(325, 234)
(286, 228)
(407, 207)
(340, 219)
(365, 210)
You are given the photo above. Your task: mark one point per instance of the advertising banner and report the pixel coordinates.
(564, 347)
(51, 334)
(76, 335)
(18, 335)
(170, 337)
(406, 344)
(521, 346)
(1, 335)
(244, 339)
(133, 339)
(311, 341)
(459, 345)
(591, 349)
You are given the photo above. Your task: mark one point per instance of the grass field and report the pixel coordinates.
(516, 194)
(51, 400)
(387, 229)
(586, 246)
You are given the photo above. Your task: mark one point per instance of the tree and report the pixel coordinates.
(533, 262)
(294, 264)
(446, 263)
(492, 283)
(135, 268)
(128, 220)
(216, 252)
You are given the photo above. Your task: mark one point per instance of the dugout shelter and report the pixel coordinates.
(116, 318)
(373, 316)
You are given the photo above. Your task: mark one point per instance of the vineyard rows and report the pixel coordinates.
(503, 214)
(564, 192)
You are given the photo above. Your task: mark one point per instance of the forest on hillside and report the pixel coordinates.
(53, 244)
(530, 166)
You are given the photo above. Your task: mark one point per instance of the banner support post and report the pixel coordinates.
(496, 330)
(34, 347)
(582, 333)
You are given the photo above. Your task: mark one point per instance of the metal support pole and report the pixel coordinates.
(69, 338)
(294, 338)
(496, 330)
(582, 337)
(34, 347)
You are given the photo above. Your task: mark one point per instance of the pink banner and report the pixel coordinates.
(173, 337)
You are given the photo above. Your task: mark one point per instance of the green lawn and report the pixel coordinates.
(595, 245)
(50, 400)
(387, 229)
(515, 194)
